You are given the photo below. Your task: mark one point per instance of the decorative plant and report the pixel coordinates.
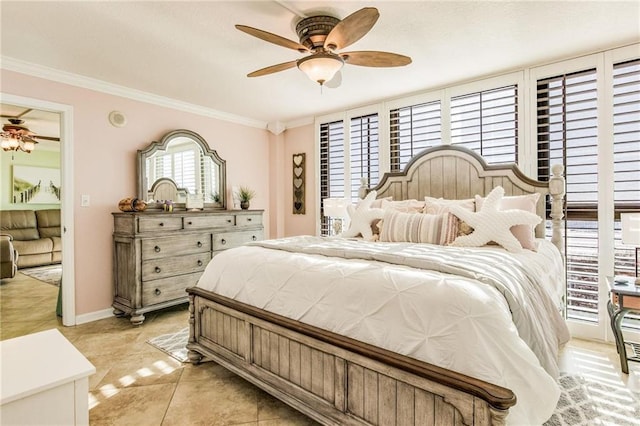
(216, 197)
(245, 194)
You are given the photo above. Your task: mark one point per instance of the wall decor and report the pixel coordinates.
(298, 183)
(35, 185)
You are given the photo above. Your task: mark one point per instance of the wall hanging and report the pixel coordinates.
(298, 183)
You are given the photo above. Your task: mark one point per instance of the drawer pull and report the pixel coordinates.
(199, 262)
(199, 244)
(228, 220)
(253, 237)
(189, 223)
(223, 241)
(157, 292)
(161, 223)
(157, 249)
(157, 269)
(248, 219)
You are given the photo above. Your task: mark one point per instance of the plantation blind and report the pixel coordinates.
(411, 130)
(331, 167)
(567, 123)
(626, 157)
(487, 122)
(364, 152)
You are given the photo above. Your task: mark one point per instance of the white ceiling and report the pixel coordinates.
(190, 50)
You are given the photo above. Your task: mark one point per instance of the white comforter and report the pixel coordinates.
(461, 316)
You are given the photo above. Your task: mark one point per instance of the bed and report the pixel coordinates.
(288, 315)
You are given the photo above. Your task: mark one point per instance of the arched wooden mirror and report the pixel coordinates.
(181, 160)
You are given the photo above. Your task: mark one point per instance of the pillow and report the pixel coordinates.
(491, 224)
(524, 233)
(361, 217)
(405, 206)
(377, 204)
(411, 227)
(441, 205)
(452, 227)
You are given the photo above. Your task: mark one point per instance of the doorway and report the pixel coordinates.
(66, 195)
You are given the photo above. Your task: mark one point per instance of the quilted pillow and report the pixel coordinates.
(524, 233)
(452, 227)
(491, 224)
(362, 216)
(411, 227)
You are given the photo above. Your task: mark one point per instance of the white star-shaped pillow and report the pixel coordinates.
(492, 224)
(362, 217)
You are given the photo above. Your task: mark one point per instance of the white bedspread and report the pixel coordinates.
(458, 316)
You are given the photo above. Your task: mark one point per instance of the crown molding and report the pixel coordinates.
(40, 71)
(305, 121)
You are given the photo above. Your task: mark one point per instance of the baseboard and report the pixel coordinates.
(94, 316)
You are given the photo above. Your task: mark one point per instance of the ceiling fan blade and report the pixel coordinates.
(273, 68)
(373, 58)
(273, 38)
(46, 138)
(352, 28)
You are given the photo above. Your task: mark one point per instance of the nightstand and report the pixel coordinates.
(625, 297)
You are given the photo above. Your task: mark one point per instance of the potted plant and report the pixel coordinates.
(244, 195)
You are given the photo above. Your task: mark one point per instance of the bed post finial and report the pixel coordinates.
(364, 188)
(557, 192)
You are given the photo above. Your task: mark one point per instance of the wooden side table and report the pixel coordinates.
(625, 297)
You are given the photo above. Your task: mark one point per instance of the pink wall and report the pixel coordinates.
(105, 167)
(299, 140)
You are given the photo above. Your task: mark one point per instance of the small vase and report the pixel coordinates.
(244, 205)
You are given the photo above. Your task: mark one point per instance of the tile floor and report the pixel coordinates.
(136, 383)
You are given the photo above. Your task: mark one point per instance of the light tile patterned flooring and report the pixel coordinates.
(136, 383)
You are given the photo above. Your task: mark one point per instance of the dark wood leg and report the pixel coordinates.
(616, 319)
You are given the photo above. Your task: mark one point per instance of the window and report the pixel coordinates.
(365, 152)
(331, 167)
(413, 129)
(626, 158)
(568, 134)
(487, 122)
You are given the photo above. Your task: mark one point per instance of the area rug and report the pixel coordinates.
(173, 344)
(583, 401)
(50, 274)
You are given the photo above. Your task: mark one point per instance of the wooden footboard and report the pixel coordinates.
(334, 379)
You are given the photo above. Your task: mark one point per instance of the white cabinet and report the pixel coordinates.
(44, 380)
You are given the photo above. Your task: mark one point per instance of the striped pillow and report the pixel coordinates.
(411, 227)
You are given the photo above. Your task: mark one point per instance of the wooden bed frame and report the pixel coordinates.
(337, 380)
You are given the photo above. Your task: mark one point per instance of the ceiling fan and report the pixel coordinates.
(323, 36)
(16, 135)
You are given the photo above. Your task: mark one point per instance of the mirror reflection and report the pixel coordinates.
(181, 168)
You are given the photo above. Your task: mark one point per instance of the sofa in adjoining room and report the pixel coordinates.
(35, 234)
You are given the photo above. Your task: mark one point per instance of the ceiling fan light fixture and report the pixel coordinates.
(321, 67)
(15, 137)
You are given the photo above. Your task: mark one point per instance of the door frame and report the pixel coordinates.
(66, 202)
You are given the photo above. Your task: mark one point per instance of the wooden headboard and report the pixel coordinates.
(457, 173)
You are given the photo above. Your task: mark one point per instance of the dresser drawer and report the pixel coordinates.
(217, 221)
(166, 289)
(159, 223)
(154, 269)
(226, 240)
(175, 246)
(248, 219)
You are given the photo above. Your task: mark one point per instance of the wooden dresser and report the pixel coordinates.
(157, 255)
